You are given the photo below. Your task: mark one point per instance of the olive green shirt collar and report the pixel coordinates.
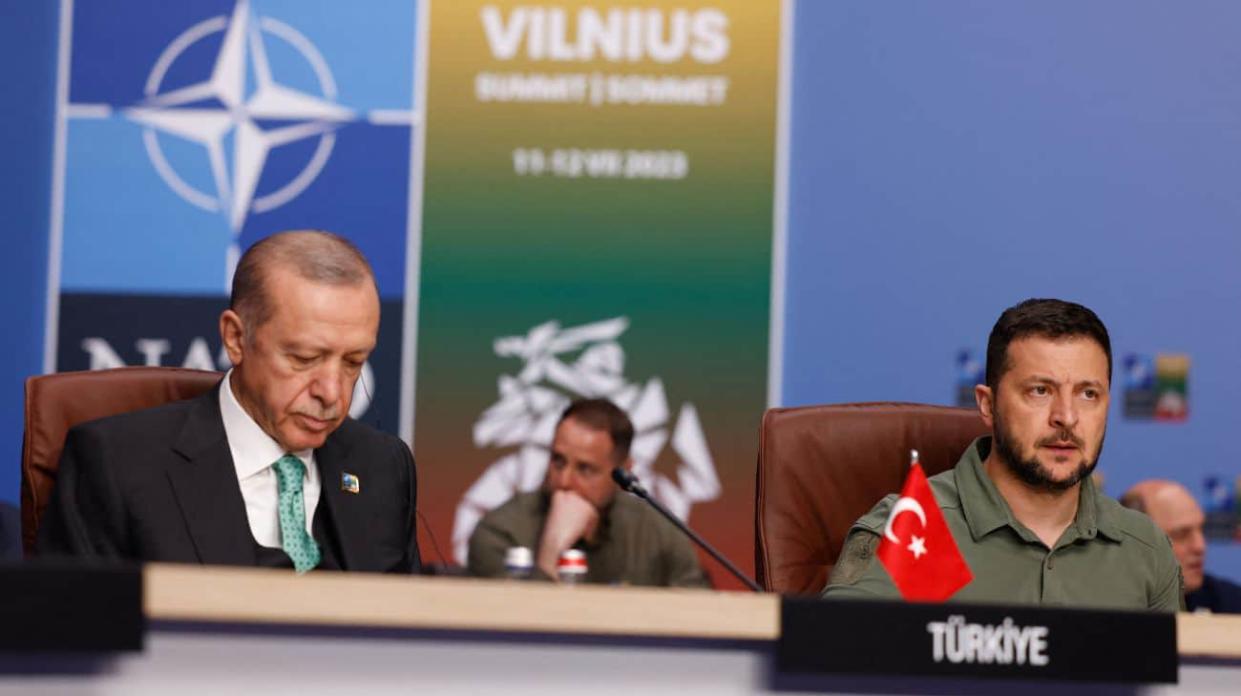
(986, 510)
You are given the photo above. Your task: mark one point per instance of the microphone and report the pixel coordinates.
(628, 482)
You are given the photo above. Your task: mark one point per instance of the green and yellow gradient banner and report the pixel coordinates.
(598, 200)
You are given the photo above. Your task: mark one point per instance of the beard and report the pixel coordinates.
(1032, 472)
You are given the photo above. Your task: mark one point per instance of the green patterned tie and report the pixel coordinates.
(300, 546)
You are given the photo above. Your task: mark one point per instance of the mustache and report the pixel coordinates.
(1062, 436)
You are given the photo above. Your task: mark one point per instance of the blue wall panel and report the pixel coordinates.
(28, 49)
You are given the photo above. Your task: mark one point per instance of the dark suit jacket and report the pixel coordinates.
(1217, 595)
(160, 485)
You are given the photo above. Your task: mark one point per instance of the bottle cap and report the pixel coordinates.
(572, 561)
(518, 558)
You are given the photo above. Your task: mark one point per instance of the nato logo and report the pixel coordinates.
(1156, 387)
(1220, 507)
(194, 129)
(188, 131)
(969, 373)
(207, 112)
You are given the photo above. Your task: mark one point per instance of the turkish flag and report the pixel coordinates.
(917, 547)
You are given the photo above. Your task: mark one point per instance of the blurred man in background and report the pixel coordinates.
(1174, 510)
(626, 542)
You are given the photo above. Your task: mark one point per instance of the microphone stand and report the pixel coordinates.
(628, 482)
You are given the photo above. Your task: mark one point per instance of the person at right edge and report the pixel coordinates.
(1172, 507)
(1020, 503)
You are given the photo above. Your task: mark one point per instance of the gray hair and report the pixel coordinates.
(314, 255)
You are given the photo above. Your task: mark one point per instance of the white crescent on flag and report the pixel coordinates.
(904, 504)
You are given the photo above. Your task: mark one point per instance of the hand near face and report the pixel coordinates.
(570, 518)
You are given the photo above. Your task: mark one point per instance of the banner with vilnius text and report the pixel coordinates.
(599, 187)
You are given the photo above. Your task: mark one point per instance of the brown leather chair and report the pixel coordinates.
(820, 468)
(57, 402)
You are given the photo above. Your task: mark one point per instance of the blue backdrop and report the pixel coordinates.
(28, 40)
(948, 159)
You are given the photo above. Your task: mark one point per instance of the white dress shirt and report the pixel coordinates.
(254, 452)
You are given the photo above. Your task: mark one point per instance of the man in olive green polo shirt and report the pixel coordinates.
(1020, 503)
(626, 542)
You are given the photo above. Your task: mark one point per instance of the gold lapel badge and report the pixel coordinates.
(350, 483)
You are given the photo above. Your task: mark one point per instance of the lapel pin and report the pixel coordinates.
(350, 483)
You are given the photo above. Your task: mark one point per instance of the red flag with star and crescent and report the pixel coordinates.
(917, 547)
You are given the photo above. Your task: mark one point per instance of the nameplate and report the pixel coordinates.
(992, 641)
(63, 606)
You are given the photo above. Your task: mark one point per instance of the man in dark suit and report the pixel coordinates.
(1174, 510)
(267, 469)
